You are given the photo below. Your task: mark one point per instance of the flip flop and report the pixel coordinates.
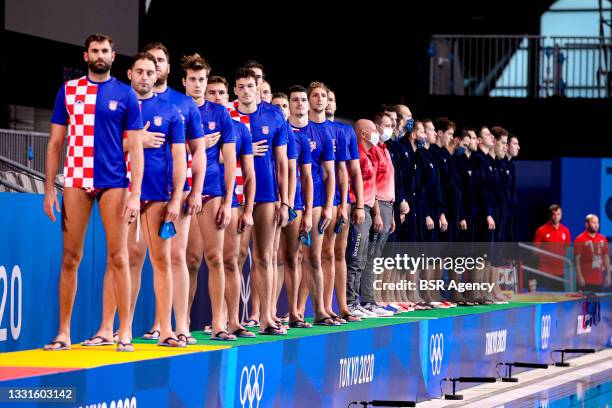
(351, 318)
(125, 347)
(207, 329)
(338, 319)
(189, 340)
(243, 333)
(219, 338)
(273, 331)
(103, 342)
(325, 322)
(300, 324)
(177, 343)
(62, 346)
(151, 335)
(251, 323)
(115, 337)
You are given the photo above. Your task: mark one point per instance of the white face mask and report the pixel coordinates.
(386, 134)
(374, 138)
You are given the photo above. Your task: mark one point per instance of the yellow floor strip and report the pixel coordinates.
(88, 357)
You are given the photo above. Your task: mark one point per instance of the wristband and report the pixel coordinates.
(285, 204)
(359, 208)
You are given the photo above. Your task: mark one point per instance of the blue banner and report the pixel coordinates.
(30, 263)
(404, 361)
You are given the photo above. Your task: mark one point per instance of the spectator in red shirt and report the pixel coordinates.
(553, 237)
(592, 257)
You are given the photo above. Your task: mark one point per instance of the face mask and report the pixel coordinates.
(409, 125)
(460, 150)
(386, 134)
(420, 142)
(374, 138)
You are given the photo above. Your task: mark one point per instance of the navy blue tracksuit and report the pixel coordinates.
(429, 194)
(408, 231)
(466, 177)
(486, 191)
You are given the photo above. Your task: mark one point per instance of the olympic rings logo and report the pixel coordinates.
(545, 331)
(250, 388)
(436, 352)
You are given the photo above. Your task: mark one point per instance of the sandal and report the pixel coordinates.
(103, 342)
(224, 336)
(300, 324)
(62, 346)
(151, 335)
(175, 343)
(251, 323)
(327, 321)
(338, 319)
(273, 331)
(125, 347)
(187, 339)
(349, 318)
(243, 333)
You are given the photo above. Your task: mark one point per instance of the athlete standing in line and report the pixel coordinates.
(95, 107)
(216, 201)
(184, 275)
(242, 209)
(357, 216)
(317, 98)
(298, 231)
(267, 125)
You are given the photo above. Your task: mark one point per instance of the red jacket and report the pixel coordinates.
(555, 240)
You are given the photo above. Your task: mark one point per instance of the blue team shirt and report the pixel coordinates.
(215, 118)
(190, 115)
(188, 110)
(321, 150)
(351, 140)
(116, 110)
(165, 118)
(353, 149)
(244, 146)
(341, 151)
(302, 148)
(267, 123)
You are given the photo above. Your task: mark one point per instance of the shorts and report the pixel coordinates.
(94, 193)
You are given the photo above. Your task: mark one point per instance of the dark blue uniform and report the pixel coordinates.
(486, 187)
(503, 199)
(448, 190)
(466, 177)
(412, 173)
(429, 194)
(513, 210)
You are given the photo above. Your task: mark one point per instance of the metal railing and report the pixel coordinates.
(15, 177)
(570, 282)
(520, 66)
(25, 147)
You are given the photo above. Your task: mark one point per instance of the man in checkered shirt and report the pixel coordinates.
(94, 111)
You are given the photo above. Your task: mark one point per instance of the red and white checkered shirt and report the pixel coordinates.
(232, 107)
(81, 106)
